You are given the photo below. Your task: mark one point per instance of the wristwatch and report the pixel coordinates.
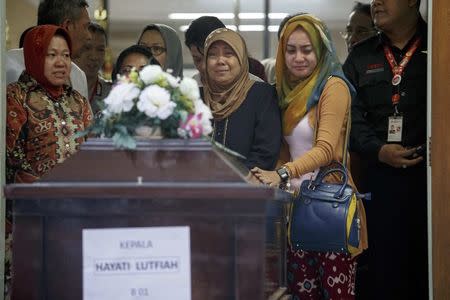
(283, 172)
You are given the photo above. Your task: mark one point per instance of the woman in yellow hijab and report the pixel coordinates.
(312, 90)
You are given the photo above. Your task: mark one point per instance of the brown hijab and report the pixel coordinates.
(35, 49)
(223, 101)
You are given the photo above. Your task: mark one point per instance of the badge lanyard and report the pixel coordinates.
(395, 122)
(398, 69)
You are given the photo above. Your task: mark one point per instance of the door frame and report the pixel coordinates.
(435, 287)
(2, 139)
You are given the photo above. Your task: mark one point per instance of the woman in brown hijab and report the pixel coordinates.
(246, 114)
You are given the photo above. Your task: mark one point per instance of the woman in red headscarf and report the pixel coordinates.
(44, 113)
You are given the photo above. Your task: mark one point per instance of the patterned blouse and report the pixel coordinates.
(40, 130)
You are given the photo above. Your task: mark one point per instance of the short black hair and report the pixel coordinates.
(362, 8)
(130, 50)
(22, 36)
(285, 20)
(199, 29)
(97, 28)
(418, 4)
(56, 11)
(256, 68)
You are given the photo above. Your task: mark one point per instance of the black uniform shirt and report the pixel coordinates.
(369, 71)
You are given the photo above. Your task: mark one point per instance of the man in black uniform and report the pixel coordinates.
(388, 126)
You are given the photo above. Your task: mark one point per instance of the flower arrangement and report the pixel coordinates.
(143, 103)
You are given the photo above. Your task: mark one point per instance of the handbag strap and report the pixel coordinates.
(347, 130)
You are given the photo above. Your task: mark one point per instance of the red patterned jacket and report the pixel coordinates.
(40, 130)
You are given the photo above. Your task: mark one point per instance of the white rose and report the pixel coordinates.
(207, 127)
(166, 111)
(189, 88)
(151, 73)
(120, 99)
(203, 109)
(173, 81)
(155, 101)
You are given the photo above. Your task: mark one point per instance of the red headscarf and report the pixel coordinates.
(35, 49)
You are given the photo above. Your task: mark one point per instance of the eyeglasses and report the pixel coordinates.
(358, 32)
(155, 50)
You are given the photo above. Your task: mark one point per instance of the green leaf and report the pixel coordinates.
(169, 126)
(122, 129)
(124, 141)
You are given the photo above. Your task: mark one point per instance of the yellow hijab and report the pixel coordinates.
(222, 100)
(295, 97)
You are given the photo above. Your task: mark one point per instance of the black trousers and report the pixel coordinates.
(395, 265)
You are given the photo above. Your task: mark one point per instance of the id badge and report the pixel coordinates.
(395, 128)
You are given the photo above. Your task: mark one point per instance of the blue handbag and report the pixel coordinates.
(324, 216)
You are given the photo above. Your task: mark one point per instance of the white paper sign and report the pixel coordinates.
(137, 263)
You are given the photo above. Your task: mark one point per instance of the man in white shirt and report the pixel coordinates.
(73, 16)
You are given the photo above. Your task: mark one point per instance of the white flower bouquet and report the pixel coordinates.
(150, 101)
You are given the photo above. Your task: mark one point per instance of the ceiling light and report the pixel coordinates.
(251, 16)
(273, 28)
(183, 28)
(277, 15)
(226, 16)
(251, 27)
(192, 16)
(258, 16)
